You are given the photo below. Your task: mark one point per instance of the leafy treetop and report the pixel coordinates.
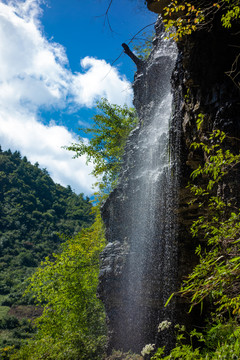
(34, 211)
(72, 326)
(188, 16)
(105, 148)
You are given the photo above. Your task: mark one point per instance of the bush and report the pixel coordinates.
(10, 322)
(221, 341)
(119, 355)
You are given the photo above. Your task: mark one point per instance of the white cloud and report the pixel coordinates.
(100, 80)
(32, 69)
(43, 144)
(34, 74)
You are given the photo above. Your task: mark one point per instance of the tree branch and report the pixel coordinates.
(132, 56)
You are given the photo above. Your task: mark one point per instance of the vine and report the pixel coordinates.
(216, 278)
(217, 275)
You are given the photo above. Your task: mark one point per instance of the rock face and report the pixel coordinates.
(134, 291)
(202, 85)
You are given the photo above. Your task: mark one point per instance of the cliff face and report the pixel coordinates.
(199, 85)
(200, 80)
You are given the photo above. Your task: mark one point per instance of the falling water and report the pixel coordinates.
(152, 222)
(146, 208)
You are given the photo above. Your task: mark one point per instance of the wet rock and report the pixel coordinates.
(199, 85)
(133, 285)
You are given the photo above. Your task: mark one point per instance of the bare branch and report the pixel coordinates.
(110, 4)
(234, 73)
(132, 56)
(131, 40)
(123, 50)
(106, 16)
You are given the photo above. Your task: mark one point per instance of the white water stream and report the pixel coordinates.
(152, 220)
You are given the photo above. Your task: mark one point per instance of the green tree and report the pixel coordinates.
(143, 45)
(218, 341)
(183, 17)
(34, 212)
(72, 326)
(216, 279)
(105, 148)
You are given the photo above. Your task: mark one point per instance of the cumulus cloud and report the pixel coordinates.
(32, 69)
(34, 75)
(43, 144)
(100, 80)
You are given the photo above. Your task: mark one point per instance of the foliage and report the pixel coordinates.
(34, 211)
(72, 324)
(143, 47)
(217, 276)
(14, 331)
(188, 16)
(3, 312)
(148, 349)
(6, 352)
(119, 355)
(105, 149)
(181, 351)
(218, 272)
(221, 341)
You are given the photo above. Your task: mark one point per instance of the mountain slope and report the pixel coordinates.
(35, 216)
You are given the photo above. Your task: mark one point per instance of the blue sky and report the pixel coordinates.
(56, 60)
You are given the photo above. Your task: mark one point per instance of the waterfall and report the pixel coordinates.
(139, 264)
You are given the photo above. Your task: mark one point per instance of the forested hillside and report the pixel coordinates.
(36, 215)
(72, 323)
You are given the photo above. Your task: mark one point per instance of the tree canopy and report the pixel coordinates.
(111, 127)
(34, 214)
(184, 17)
(72, 326)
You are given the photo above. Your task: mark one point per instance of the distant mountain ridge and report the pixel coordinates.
(35, 213)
